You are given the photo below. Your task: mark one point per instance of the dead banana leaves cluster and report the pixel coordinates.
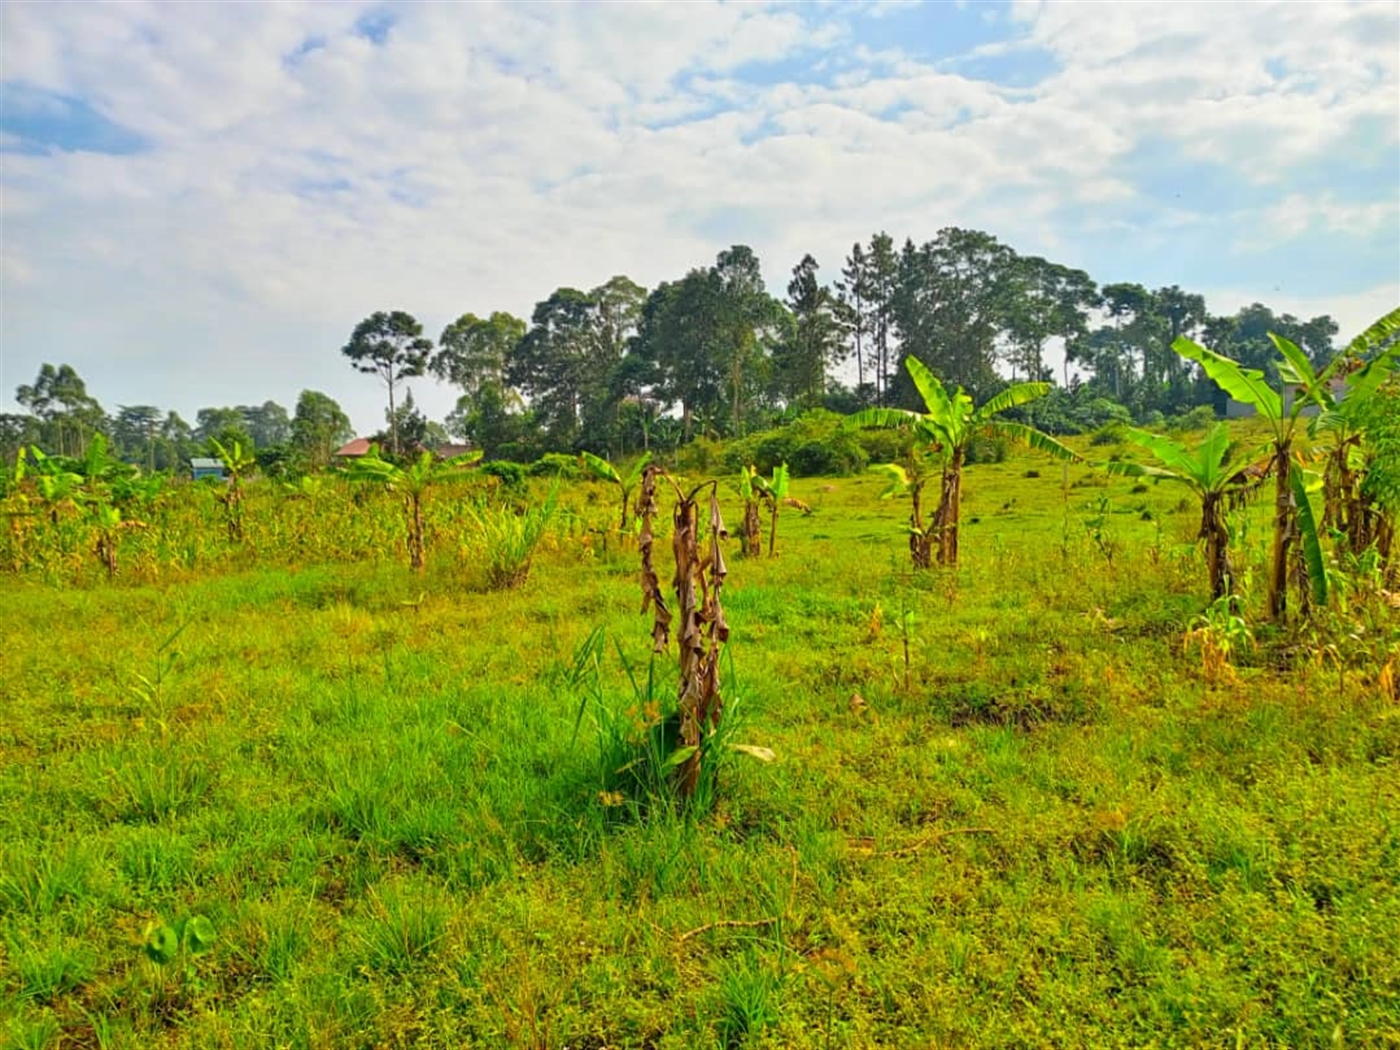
(699, 615)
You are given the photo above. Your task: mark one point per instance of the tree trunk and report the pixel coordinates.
(1217, 539)
(753, 529)
(945, 521)
(1284, 511)
(393, 421)
(415, 533)
(920, 542)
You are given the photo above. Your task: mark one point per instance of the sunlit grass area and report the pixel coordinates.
(1011, 805)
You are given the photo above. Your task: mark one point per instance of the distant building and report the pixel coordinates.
(207, 468)
(1239, 410)
(451, 451)
(354, 450)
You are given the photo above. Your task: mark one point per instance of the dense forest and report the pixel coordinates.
(712, 353)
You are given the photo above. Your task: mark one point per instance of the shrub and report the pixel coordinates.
(814, 443)
(511, 474)
(1199, 418)
(508, 539)
(700, 456)
(884, 446)
(840, 454)
(555, 465)
(1108, 434)
(987, 450)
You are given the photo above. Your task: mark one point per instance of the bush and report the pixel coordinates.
(884, 446)
(506, 539)
(840, 455)
(1199, 418)
(510, 474)
(555, 464)
(1108, 434)
(984, 449)
(700, 457)
(812, 444)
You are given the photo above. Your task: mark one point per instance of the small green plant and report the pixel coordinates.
(239, 462)
(751, 493)
(149, 691)
(1219, 633)
(601, 468)
(413, 483)
(507, 538)
(775, 491)
(402, 928)
(174, 947)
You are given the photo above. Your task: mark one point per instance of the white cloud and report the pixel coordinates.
(487, 153)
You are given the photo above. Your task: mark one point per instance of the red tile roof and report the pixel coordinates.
(358, 447)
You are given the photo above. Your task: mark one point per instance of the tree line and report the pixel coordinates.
(621, 368)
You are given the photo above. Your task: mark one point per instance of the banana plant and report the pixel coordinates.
(1342, 428)
(238, 461)
(774, 490)
(943, 432)
(1249, 386)
(107, 519)
(601, 468)
(413, 482)
(57, 486)
(752, 495)
(909, 480)
(1217, 479)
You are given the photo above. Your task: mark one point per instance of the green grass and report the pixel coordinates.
(1049, 827)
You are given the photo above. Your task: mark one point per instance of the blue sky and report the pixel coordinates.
(200, 201)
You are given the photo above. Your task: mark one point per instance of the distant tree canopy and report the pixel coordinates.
(621, 368)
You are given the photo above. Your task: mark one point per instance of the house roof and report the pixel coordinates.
(202, 463)
(358, 447)
(450, 451)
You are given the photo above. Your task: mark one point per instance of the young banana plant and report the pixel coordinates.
(1342, 430)
(1217, 479)
(601, 468)
(944, 431)
(239, 462)
(413, 483)
(774, 490)
(751, 493)
(1249, 386)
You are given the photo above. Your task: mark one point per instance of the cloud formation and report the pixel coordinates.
(200, 201)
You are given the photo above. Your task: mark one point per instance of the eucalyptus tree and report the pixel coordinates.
(134, 430)
(814, 342)
(565, 360)
(267, 424)
(952, 307)
(389, 345)
(708, 338)
(225, 425)
(854, 298)
(58, 397)
(943, 431)
(1047, 301)
(319, 427)
(472, 351)
(882, 275)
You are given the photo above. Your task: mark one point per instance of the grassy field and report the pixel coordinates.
(1011, 806)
